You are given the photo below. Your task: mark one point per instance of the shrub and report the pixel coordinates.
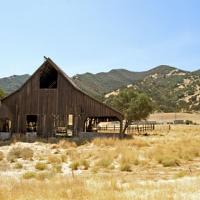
(42, 176)
(18, 152)
(66, 144)
(64, 157)
(74, 165)
(169, 162)
(14, 153)
(128, 156)
(125, 167)
(18, 165)
(40, 166)
(1, 155)
(180, 174)
(56, 168)
(85, 164)
(54, 159)
(29, 175)
(27, 153)
(104, 162)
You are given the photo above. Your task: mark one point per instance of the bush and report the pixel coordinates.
(27, 153)
(29, 175)
(40, 166)
(129, 156)
(18, 166)
(66, 144)
(56, 168)
(180, 174)
(104, 162)
(85, 164)
(54, 159)
(42, 176)
(170, 162)
(14, 153)
(1, 155)
(18, 152)
(74, 165)
(125, 167)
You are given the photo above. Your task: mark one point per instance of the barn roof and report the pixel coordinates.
(48, 60)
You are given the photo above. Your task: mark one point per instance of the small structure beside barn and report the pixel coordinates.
(50, 103)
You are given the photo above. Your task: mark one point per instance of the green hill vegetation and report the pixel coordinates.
(170, 89)
(12, 83)
(2, 94)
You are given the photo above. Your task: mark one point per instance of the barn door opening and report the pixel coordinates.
(31, 123)
(91, 124)
(5, 125)
(70, 124)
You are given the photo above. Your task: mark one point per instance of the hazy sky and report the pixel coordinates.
(98, 35)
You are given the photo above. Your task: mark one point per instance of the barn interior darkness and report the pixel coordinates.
(48, 78)
(31, 123)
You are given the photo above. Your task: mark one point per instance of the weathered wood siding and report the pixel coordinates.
(53, 105)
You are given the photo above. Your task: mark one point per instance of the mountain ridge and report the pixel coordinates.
(171, 88)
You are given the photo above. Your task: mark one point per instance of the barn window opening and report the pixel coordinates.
(48, 78)
(31, 123)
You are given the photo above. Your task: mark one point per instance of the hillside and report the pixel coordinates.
(173, 91)
(12, 83)
(170, 88)
(102, 83)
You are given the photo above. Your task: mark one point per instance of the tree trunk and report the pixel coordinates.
(127, 123)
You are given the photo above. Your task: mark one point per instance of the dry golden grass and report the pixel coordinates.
(19, 152)
(66, 144)
(53, 158)
(96, 188)
(74, 165)
(144, 167)
(170, 117)
(41, 166)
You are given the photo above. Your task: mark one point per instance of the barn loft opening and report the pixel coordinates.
(48, 78)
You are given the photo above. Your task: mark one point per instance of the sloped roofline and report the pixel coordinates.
(48, 60)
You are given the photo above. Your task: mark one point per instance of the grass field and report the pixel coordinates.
(164, 165)
(170, 117)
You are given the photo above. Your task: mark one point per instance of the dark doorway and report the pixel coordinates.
(5, 125)
(31, 123)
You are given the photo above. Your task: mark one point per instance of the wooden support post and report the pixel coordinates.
(121, 129)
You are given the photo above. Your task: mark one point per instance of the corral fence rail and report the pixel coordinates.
(131, 129)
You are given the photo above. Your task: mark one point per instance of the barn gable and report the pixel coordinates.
(50, 99)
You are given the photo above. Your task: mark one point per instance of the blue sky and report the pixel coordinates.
(99, 35)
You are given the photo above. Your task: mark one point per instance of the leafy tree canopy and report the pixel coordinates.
(134, 105)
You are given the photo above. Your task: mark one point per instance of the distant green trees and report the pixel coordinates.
(134, 105)
(2, 94)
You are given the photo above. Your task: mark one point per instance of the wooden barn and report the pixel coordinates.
(50, 103)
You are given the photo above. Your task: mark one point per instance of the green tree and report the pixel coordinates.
(2, 94)
(134, 105)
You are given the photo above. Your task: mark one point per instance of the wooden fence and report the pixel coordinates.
(131, 129)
